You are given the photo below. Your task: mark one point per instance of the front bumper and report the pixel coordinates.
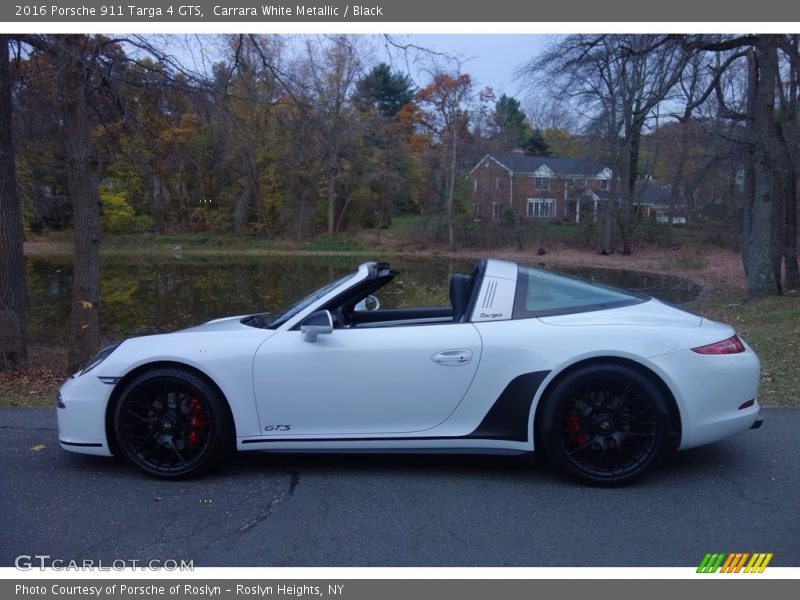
(81, 412)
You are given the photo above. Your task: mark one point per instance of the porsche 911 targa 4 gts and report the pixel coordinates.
(605, 381)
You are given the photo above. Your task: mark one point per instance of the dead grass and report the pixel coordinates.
(37, 386)
(772, 327)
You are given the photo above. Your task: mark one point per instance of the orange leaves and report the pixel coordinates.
(443, 86)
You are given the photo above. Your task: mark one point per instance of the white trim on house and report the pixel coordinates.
(497, 211)
(532, 202)
(492, 158)
(544, 171)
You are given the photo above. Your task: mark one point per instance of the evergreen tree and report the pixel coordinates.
(383, 90)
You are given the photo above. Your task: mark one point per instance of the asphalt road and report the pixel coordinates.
(742, 494)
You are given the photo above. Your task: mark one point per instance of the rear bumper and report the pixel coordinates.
(716, 395)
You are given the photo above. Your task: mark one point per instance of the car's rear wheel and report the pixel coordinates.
(172, 424)
(605, 424)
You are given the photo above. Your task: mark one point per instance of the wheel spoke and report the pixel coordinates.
(177, 452)
(138, 418)
(582, 447)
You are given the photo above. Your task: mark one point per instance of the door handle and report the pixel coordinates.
(452, 358)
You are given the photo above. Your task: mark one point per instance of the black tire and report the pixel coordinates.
(172, 424)
(605, 424)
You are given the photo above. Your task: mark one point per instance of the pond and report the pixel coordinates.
(150, 295)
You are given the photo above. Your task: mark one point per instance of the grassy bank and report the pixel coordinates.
(772, 327)
(199, 244)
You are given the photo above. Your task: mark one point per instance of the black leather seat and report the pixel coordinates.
(460, 293)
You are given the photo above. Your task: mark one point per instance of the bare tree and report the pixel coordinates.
(449, 97)
(763, 211)
(13, 309)
(789, 138)
(619, 80)
(74, 68)
(333, 70)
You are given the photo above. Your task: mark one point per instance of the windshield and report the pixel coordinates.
(273, 321)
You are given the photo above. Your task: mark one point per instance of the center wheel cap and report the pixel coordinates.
(604, 424)
(168, 424)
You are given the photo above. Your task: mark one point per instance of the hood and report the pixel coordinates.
(224, 324)
(653, 313)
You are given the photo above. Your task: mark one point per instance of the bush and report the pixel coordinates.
(119, 217)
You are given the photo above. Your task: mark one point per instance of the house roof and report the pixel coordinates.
(653, 192)
(521, 163)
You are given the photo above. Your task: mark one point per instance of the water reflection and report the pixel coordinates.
(141, 296)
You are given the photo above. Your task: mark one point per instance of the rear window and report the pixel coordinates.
(541, 293)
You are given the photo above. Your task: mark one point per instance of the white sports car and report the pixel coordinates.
(606, 381)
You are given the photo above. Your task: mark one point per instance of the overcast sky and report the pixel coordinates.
(490, 59)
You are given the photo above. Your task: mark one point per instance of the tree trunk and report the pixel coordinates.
(791, 273)
(776, 257)
(13, 303)
(789, 140)
(608, 217)
(451, 242)
(85, 196)
(759, 250)
(677, 178)
(749, 186)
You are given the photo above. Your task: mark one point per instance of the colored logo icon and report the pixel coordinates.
(735, 562)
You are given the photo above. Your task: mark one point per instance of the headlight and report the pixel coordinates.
(99, 357)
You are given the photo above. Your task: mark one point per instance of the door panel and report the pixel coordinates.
(364, 381)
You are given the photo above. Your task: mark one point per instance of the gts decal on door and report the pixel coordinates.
(277, 428)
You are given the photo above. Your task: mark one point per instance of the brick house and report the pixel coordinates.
(537, 187)
(652, 202)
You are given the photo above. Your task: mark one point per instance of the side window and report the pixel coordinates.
(541, 293)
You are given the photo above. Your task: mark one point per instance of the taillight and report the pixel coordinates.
(733, 345)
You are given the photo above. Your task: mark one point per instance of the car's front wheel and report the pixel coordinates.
(171, 424)
(605, 424)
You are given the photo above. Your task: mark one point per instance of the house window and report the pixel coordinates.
(542, 183)
(497, 210)
(604, 184)
(475, 185)
(541, 207)
(498, 183)
(570, 182)
(476, 211)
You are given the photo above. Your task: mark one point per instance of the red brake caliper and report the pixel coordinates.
(574, 428)
(197, 418)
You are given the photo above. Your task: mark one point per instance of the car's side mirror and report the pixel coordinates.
(368, 303)
(316, 324)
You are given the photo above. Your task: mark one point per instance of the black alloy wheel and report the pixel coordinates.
(172, 424)
(605, 424)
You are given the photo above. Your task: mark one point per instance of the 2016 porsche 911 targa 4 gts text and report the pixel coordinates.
(605, 381)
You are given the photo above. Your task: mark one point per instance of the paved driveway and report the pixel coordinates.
(742, 494)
